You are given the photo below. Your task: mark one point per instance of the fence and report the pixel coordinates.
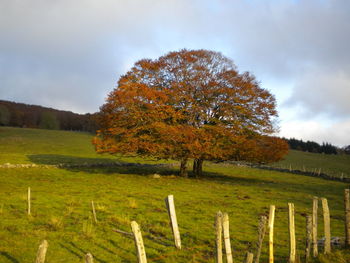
(223, 233)
(316, 172)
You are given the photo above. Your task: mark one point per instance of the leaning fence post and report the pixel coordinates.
(249, 258)
(28, 201)
(93, 211)
(271, 222)
(308, 238)
(347, 216)
(218, 228)
(327, 226)
(261, 234)
(314, 226)
(169, 201)
(226, 230)
(141, 253)
(89, 258)
(41, 254)
(292, 246)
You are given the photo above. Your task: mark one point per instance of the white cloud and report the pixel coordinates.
(337, 132)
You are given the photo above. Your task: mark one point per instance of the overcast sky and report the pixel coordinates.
(69, 54)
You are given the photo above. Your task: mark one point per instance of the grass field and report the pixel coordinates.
(61, 199)
(334, 165)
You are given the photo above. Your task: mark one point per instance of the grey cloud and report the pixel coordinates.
(71, 52)
(322, 92)
(299, 42)
(36, 54)
(81, 47)
(288, 35)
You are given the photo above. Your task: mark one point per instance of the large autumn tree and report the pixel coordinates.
(190, 104)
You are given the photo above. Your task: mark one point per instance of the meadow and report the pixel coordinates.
(61, 197)
(334, 165)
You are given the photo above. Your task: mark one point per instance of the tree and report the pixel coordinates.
(49, 121)
(4, 115)
(185, 104)
(346, 149)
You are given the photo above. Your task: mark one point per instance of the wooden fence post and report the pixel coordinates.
(93, 211)
(226, 230)
(89, 258)
(308, 238)
(292, 245)
(141, 253)
(249, 258)
(169, 201)
(347, 216)
(28, 201)
(271, 222)
(218, 228)
(327, 226)
(41, 254)
(261, 235)
(314, 226)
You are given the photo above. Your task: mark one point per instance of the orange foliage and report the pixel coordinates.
(261, 149)
(189, 104)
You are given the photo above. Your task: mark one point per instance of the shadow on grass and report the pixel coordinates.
(56, 159)
(8, 256)
(100, 165)
(113, 166)
(108, 166)
(71, 251)
(79, 252)
(117, 246)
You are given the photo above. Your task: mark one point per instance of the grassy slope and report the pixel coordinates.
(330, 164)
(25, 146)
(61, 204)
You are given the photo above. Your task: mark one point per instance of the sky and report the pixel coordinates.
(69, 54)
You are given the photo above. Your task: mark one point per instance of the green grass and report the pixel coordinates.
(61, 211)
(334, 165)
(36, 146)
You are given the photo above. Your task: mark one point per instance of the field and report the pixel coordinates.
(61, 211)
(334, 165)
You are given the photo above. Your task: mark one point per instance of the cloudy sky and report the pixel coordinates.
(69, 54)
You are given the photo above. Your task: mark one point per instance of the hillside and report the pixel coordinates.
(334, 165)
(61, 197)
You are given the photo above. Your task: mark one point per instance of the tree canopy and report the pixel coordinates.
(188, 104)
(4, 115)
(49, 121)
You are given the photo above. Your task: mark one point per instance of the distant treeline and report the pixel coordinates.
(314, 147)
(33, 116)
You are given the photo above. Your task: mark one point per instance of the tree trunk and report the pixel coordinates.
(200, 167)
(195, 164)
(183, 168)
(197, 167)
